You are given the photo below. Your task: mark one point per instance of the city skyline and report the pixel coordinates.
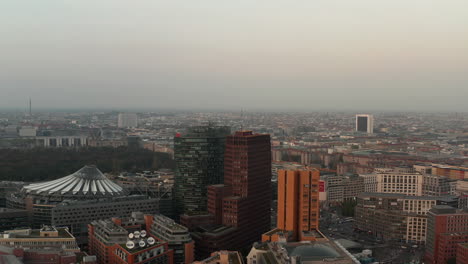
(308, 56)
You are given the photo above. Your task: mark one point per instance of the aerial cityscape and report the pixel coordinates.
(234, 132)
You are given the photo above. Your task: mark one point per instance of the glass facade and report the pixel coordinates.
(199, 157)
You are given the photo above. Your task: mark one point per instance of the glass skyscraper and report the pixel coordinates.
(199, 157)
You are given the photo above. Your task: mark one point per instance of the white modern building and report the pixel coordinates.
(127, 120)
(365, 123)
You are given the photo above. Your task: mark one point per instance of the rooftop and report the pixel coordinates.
(89, 181)
(399, 196)
(39, 233)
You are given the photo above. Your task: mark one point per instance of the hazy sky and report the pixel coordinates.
(232, 54)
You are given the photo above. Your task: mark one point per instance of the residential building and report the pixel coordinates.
(199, 158)
(446, 227)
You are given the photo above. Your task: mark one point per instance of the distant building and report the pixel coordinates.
(222, 257)
(112, 243)
(13, 219)
(27, 132)
(452, 172)
(365, 123)
(447, 227)
(61, 141)
(394, 217)
(199, 158)
(127, 120)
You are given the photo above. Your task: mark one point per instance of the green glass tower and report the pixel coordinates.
(199, 157)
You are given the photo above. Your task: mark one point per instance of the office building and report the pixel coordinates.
(13, 219)
(199, 158)
(298, 203)
(40, 239)
(77, 199)
(341, 188)
(127, 120)
(113, 244)
(365, 123)
(394, 217)
(461, 190)
(462, 253)
(434, 185)
(177, 237)
(394, 181)
(239, 208)
(446, 228)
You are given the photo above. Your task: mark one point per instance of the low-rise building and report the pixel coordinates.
(222, 257)
(309, 252)
(39, 239)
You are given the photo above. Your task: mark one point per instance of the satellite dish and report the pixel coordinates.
(136, 234)
(143, 233)
(151, 241)
(130, 235)
(142, 243)
(130, 244)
